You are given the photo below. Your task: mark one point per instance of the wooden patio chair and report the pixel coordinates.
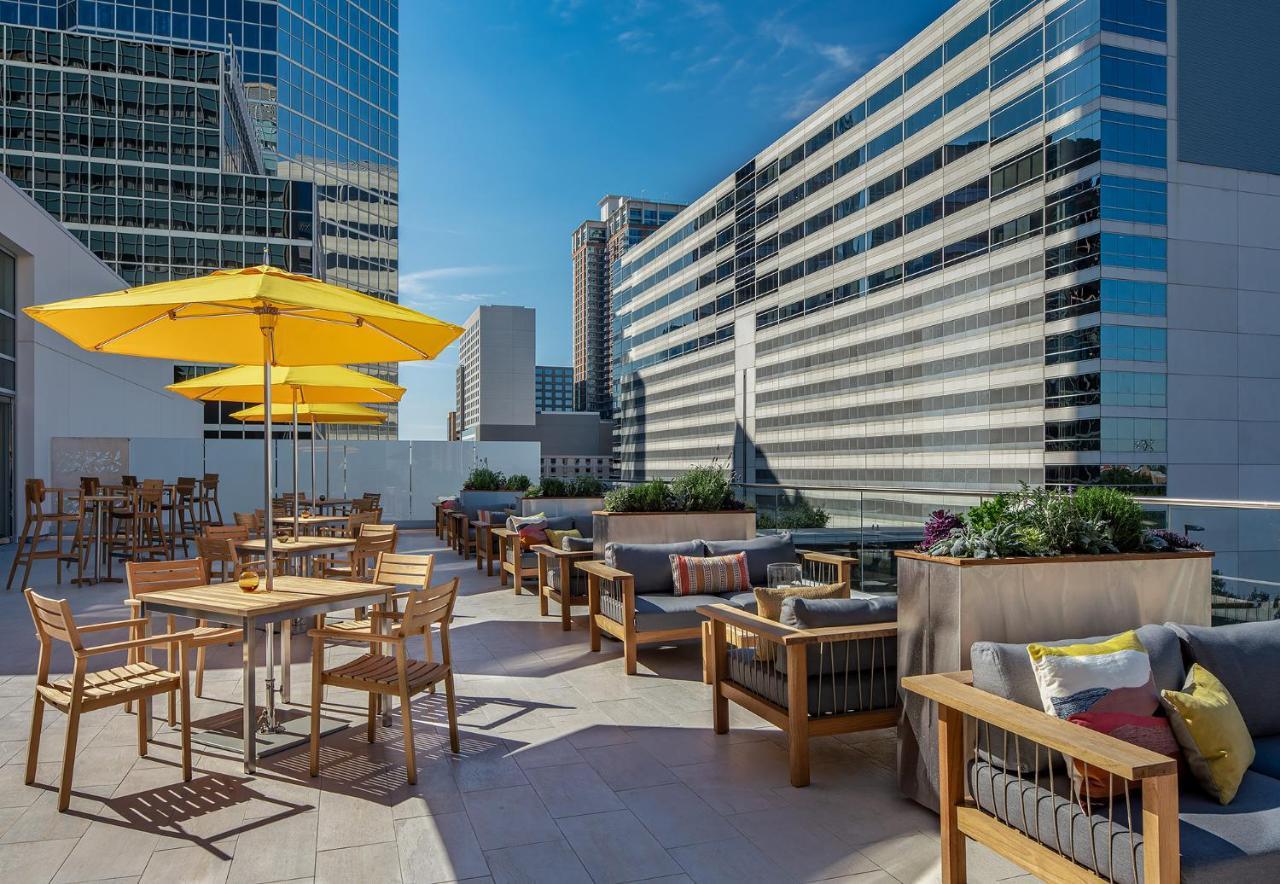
(391, 675)
(371, 541)
(209, 506)
(216, 547)
(39, 516)
(145, 577)
(84, 691)
(248, 521)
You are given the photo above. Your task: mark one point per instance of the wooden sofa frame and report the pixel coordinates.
(559, 562)
(795, 719)
(624, 585)
(962, 707)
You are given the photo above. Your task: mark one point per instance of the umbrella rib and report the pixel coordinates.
(423, 353)
(111, 340)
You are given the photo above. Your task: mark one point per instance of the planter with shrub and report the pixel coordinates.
(698, 504)
(486, 489)
(1031, 565)
(576, 496)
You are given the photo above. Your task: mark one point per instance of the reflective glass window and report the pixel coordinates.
(1133, 296)
(1134, 199)
(1018, 57)
(1134, 76)
(923, 118)
(883, 96)
(1133, 343)
(1137, 18)
(966, 37)
(1017, 114)
(1135, 252)
(966, 90)
(920, 71)
(1134, 389)
(1130, 138)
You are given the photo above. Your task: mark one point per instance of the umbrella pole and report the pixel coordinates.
(295, 464)
(313, 463)
(269, 713)
(328, 468)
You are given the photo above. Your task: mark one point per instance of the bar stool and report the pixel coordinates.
(37, 518)
(184, 520)
(129, 481)
(209, 499)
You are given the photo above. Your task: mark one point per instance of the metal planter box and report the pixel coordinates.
(490, 500)
(947, 604)
(560, 506)
(610, 527)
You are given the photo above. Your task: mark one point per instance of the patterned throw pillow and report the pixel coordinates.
(1109, 676)
(707, 575)
(1148, 731)
(556, 538)
(1211, 732)
(533, 534)
(514, 523)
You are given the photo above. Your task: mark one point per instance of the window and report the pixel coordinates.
(1133, 343)
(918, 72)
(1077, 435)
(1017, 173)
(923, 118)
(969, 195)
(966, 37)
(1071, 206)
(1133, 297)
(1072, 257)
(1072, 391)
(923, 216)
(970, 141)
(1005, 11)
(1017, 114)
(922, 167)
(1017, 58)
(1134, 76)
(1068, 26)
(1137, 18)
(967, 89)
(1134, 199)
(1129, 138)
(1076, 300)
(885, 95)
(1017, 229)
(1136, 252)
(1072, 346)
(1134, 434)
(883, 142)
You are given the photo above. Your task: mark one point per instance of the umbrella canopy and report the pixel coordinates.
(222, 318)
(301, 383)
(315, 413)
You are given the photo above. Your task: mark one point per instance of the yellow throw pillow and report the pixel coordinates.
(556, 538)
(1212, 733)
(769, 601)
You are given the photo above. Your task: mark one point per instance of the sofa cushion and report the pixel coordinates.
(1239, 842)
(1266, 756)
(577, 544)
(661, 612)
(650, 563)
(1236, 654)
(744, 600)
(561, 523)
(826, 696)
(836, 659)
(1005, 669)
(761, 552)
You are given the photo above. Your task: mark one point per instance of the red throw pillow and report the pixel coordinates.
(1148, 731)
(532, 535)
(707, 575)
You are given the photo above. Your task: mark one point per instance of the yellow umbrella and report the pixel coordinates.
(259, 315)
(314, 414)
(296, 384)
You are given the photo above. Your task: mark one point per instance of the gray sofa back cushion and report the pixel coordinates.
(1005, 670)
(1244, 657)
(837, 658)
(561, 523)
(576, 544)
(761, 552)
(650, 563)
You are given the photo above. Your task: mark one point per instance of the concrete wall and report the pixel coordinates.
(62, 390)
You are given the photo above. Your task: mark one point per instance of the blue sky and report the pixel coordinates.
(516, 116)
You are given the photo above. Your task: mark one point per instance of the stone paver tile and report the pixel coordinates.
(628, 766)
(352, 820)
(280, 851)
(573, 789)
(193, 864)
(439, 848)
(615, 847)
(735, 861)
(676, 816)
(510, 816)
(802, 851)
(108, 850)
(545, 754)
(915, 857)
(491, 768)
(369, 862)
(551, 862)
(35, 862)
(42, 821)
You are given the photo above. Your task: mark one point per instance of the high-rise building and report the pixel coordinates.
(1031, 245)
(178, 137)
(624, 222)
(553, 388)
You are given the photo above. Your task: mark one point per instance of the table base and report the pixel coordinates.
(224, 731)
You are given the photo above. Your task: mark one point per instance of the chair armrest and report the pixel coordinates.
(603, 571)
(348, 635)
(544, 549)
(827, 558)
(504, 532)
(114, 624)
(167, 638)
(828, 634)
(956, 691)
(747, 622)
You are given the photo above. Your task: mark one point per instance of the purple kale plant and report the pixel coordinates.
(1162, 539)
(939, 527)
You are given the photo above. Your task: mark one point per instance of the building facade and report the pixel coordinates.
(553, 388)
(624, 222)
(271, 126)
(495, 374)
(1026, 247)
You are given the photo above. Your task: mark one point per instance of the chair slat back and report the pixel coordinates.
(210, 482)
(53, 619)
(129, 481)
(147, 577)
(89, 485)
(433, 604)
(227, 532)
(402, 569)
(185, 486)
(248, 521)
(356, 519)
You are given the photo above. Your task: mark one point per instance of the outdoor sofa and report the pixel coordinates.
(1003, 781)
(520, 563)
(631, 595)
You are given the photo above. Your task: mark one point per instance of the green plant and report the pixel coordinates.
(705, 489)
(987, 514)
(653, 496)
(586, 486)
(1117, 509)
(483, 479)
(517, 482)
(797, 515)
(578, 486)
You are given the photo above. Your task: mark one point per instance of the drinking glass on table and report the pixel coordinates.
(783, 574)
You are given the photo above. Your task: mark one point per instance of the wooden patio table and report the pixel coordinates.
(290, 598)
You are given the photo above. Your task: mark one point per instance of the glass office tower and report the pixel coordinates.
(309, 95)
(955, 274)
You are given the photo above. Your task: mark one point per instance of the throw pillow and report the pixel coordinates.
(709, 575)
(1211, 732)
(532, 535)
(1109, 676)
(1148, 731)
(556, 538)
(515, 522)
(769, 601)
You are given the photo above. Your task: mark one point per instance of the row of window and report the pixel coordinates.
(69, 50)
(1134, 297)
(1116, 435)
(70, 135)
(1122, 342)
(1124, 389)
(117, 97)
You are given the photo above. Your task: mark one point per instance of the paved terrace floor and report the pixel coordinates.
(569, 771)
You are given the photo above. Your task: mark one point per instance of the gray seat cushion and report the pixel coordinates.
(577, 579)
(650, 563)
(845, 658)
(1266, 756)
(660, 612)
(1238, 842)
(576, 544)
(827, 696)
(1237, 654)
(761, 552)
(744, 600)
(1005, 670)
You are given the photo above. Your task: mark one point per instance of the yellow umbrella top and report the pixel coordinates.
(314, 413)
(221, 317)
(306, 383)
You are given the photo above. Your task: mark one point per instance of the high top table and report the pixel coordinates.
(291, 598)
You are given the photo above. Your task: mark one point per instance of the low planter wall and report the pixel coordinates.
(560, 506)
(947, 604)
(490, 500)
(609, 527)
